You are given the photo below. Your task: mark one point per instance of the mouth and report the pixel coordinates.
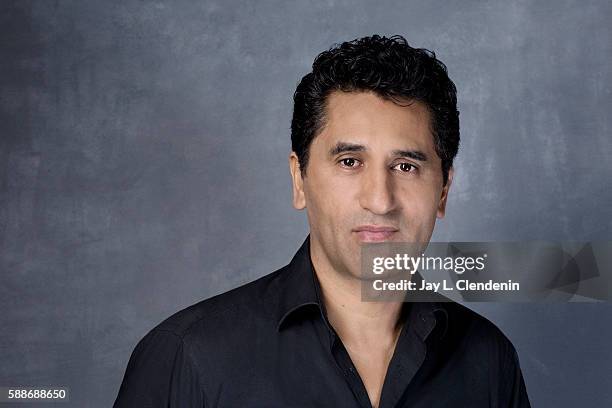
(375, 233)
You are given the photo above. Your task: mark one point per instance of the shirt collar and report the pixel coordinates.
(299, 292)
(297, 289)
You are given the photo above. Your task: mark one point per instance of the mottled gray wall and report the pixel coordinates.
(143, 152)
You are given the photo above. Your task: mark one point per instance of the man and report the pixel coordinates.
(374, 133)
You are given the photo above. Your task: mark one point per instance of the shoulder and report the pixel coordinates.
(489, 353)
(472, 331)
(191, 341)
(228, 311)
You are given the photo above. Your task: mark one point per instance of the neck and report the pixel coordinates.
(376, 323)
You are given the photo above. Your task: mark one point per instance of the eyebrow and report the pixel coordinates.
(411, 154)
(343, 147)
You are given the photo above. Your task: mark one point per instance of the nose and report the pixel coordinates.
(377, 191)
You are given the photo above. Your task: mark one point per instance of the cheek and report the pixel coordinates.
(326, 190)
(419, 204)
(318, 201)
(329, 203)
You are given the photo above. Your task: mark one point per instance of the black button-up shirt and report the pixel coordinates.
(269, 344)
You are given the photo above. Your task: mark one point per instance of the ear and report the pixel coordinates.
(299, 200)
(444, 196)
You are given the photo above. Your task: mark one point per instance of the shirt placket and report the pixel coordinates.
(406, 361)
(349, 372)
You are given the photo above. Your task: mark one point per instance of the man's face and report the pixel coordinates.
(373, 175)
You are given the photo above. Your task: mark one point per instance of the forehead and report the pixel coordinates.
(366, 118)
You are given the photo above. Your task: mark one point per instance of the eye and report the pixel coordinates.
(349, 162)
(405, 167)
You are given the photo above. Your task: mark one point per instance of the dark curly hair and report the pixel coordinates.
(388, 67)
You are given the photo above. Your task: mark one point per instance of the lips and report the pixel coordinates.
(374, 233)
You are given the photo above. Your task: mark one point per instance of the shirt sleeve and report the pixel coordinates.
(513, 393)
(160, 374)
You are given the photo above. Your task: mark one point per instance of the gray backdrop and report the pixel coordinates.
(143, 166)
